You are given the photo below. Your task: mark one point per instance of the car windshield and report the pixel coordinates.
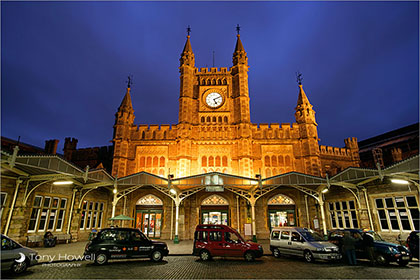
(376, 236)
(311, 236)
(237, 237)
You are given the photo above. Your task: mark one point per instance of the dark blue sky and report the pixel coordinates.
(64, 65)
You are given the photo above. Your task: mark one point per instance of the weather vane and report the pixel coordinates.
(130, 81)
(188, 30)
(299, 77)
(238, 28)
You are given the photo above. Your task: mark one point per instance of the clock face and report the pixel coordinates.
(214, 99)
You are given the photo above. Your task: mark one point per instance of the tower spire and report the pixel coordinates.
(239, 55)
(126, 104)
(304, 112)
(187, 55)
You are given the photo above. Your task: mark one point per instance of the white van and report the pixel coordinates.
(302, 242)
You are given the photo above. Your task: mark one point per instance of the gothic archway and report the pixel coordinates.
(215, 210)
(149, 215)
(281, 211)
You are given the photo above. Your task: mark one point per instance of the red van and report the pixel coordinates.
(224, 241)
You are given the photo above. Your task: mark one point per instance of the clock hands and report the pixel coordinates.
(214, 99)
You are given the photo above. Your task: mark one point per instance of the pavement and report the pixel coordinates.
(60, 251)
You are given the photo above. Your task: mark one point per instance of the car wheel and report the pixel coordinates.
(101, 258)
(249, 256)
(205, 255)
(156, 256)
(308, 256)
(19, 267)
(276, 253)
(381, 260)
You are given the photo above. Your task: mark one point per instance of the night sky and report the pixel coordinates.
(65, 65)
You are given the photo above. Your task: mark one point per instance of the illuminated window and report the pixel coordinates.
(142, 162)
(92, 214)
(155, 162)
(343, 214)
(211, 161)
(162, 162)
(280, 199)
(47, 214)
(204, 161)
(224, 161)
(215, 200)
(149, 199)
(267, 161)
(398, 213)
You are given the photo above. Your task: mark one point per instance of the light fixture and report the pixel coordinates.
(172, 191)
(400, 181)
(325, 190)
(57, 183)
(114, 190)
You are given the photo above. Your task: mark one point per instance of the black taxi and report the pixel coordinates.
(123, 243)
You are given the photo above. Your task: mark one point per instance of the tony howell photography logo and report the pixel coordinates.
(49, 259)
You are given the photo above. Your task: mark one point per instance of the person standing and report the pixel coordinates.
(368, 245)
(349, 248)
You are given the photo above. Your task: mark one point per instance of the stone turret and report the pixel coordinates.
(70, 145)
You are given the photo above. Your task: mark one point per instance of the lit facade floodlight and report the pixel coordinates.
(114, 191)
(400, 181)
(172, 191)
(325, 190)
(58, 183)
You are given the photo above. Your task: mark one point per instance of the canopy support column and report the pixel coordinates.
(254, 228)
(12, 207)
(368, 209)
(321, 205)
(71, 210)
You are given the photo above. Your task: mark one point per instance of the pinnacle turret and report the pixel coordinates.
(304, 112)
(187, 55)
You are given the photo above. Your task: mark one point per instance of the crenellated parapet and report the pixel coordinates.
(154, 132)
(334, 151)
(275, 131)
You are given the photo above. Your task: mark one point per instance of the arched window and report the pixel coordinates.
(149, 199)
(208, 119)
(267, 172)
(164, 135)
(202, 119)
(273, 160)
(280, 199)
(287, 160)
(154, 134)
(267, 161)
(213, 82)
(215, 200)
(142, 162)
(149, 162)
(154, 171)
(162, 172)
(224, 161)
(203, 82)
(225, 119)
(281, 163)
(219, 119)
(204, 161)
(219, 82)
(224, 81)
(275, 171)
(208, 82)
(214, 119)
(218, 161)
(143, 136)
(211, 161)
(162, 162)
(155, 162)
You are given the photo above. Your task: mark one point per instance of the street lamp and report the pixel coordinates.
(400, 181)
(58, 183)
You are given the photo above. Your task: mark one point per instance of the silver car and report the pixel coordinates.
(302, 242)
(16, 257)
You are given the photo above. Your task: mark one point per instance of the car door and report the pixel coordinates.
(296, 244)
(216, 243)
(140, 245)
(275, 239)
(284, 242)
(233, 244)
(8, 254)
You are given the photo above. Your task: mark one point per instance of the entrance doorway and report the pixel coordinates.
(281, 211)
(149, 222)
(149, 215)
(215, 217)
(215, 210)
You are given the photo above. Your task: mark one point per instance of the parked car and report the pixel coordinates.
(121, 243)
(15, 257)
(385, 252)
(224, 241)
(302, 242)
(413, 243)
